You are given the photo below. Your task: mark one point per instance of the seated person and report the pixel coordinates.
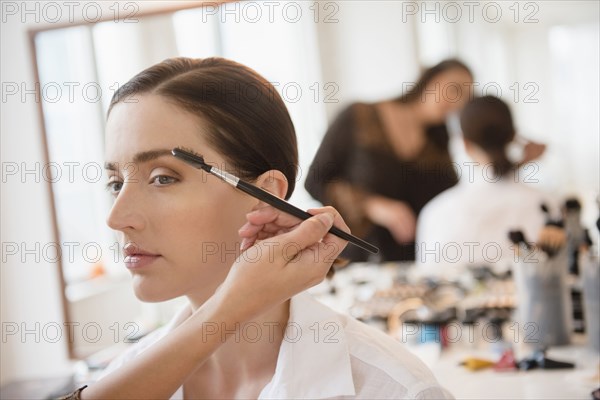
(240, 336)
(468, 224)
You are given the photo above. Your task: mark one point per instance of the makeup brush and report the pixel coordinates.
(260, 194)
(552, 237)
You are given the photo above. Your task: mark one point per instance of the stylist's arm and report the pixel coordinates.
(288, 257)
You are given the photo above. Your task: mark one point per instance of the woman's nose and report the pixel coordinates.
(127, 211)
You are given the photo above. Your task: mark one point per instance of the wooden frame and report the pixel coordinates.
(32, 34)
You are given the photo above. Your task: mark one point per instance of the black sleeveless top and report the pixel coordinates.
(356, 159)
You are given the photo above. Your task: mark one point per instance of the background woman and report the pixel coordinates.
(379, 164)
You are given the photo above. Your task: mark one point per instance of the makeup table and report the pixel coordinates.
(359, 281)
(575, 383)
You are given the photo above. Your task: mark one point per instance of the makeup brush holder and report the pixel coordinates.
(590, 274)
(544, 302)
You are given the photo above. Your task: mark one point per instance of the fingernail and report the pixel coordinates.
(242, 244)
(326, 218)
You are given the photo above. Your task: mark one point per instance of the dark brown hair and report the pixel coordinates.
(248, 122)
(415, 93)
(487, 122)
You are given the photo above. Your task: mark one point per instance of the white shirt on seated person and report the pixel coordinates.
(469, 223)
(329, 355)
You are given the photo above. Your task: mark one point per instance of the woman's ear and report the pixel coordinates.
(274, 182)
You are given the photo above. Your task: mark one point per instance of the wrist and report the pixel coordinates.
(219, 309)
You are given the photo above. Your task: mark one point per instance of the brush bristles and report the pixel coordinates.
(191, 157)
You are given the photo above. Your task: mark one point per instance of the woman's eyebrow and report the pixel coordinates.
(141, 157)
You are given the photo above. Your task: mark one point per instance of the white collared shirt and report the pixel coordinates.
(469, 223)
(325, 354)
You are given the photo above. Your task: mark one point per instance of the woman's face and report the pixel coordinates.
(448, 92)
(186, 219)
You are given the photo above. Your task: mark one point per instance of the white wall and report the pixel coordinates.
(368, 52)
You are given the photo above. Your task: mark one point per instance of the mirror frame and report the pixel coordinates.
(55, 233)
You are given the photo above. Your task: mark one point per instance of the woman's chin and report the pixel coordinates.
(151, 292)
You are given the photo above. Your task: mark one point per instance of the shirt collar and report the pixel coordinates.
(314, 360)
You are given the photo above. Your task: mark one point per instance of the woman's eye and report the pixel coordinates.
(114, 187)
(161, 180)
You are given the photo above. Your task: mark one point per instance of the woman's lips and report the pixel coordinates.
(136, 261)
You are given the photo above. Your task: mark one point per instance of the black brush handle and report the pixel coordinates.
(303, 215)
(197, 161)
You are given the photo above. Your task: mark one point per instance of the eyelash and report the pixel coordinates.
(110, 185)
(173, 180)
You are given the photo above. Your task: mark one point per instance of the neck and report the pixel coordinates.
(254, 349)
(477, 154)
(412, 110)
(424, 115)
(481, 158)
